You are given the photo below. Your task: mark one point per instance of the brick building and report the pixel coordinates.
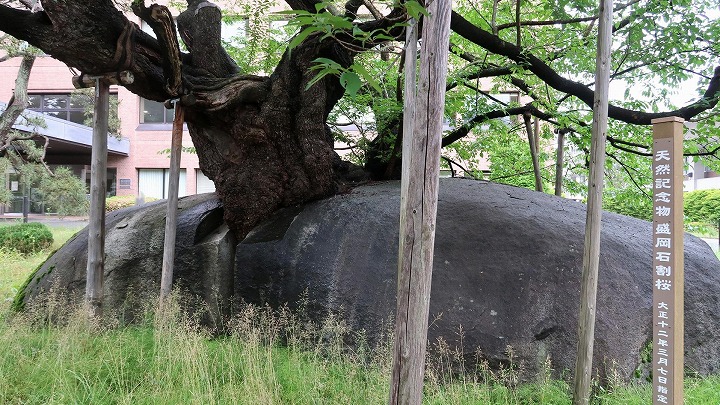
(137, 164)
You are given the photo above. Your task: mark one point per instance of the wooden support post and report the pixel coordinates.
(668, 267)
(172, 203)
(98, 186)
(84, 81)
(532, 143)
(419, 193)
(559, 163)
(591, 253)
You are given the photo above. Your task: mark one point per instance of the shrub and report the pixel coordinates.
(123, 201)
(118, 202)
(64, 193)
(703, 206)
(26, 238)
(626, 202)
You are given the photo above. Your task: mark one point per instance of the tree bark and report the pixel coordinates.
(533, 146)
(18, 102)
(262, 140)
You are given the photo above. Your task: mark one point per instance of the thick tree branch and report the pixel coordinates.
(18, 102)
(465, 129)
(238, 90)
(543, 71)
(162, 23)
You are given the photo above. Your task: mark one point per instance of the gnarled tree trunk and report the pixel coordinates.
(278, 151)
(262, 140)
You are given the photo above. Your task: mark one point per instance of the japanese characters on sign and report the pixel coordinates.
(667, 264)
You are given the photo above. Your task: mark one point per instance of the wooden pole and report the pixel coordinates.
(559, 163)
(98, 186)
(122, 78)
(419, 194)
(591, 253)
(172, 203)
(400, 350)
(668, 267)
(532, 142)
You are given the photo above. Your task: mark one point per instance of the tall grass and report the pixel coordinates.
(267, 357)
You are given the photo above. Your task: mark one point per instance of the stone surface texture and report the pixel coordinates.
(506, 277)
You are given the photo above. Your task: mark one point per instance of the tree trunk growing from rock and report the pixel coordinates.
(275, 152)
(262, 140)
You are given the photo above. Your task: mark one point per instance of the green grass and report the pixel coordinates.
(169, 360)
(701, 230)
(17, 267)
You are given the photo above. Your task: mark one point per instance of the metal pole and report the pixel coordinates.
(591, 253)
(98, 186)
(172, 203)
(26, 205)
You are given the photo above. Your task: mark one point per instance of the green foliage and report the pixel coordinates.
(64, 193)
(659, 47)
(627, 201)
(25, 238)
(703, 206)
(17, 268)
(168, 360)
(507, 150)
(254, 50)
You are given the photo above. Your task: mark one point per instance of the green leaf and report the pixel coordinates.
(297, 39)
(360, 70)
(415, 9)
(351, 82)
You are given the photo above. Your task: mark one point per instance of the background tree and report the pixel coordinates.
(266, 140)
(21, 151)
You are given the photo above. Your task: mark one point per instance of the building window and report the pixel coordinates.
(58, 105)
(153, 112)
(76, 108)
(110, 184)
(203, 183)
(156, 182)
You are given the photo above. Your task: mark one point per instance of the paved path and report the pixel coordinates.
(712, 242)
(49, 220)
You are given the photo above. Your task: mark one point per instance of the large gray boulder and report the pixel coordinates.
(507, 271)
(134, 239)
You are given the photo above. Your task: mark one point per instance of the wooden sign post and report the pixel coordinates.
(418, 202)
(668, 268)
